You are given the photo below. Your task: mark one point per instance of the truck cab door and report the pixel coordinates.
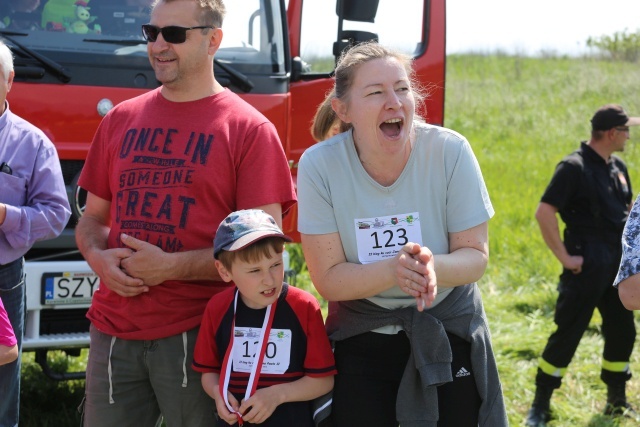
(319, 30)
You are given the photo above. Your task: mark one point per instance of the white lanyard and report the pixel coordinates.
(257, 358)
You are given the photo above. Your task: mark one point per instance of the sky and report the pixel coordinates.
(516, 26)
(528, 27)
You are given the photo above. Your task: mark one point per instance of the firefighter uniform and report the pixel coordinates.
(592, 197)
(591, 191)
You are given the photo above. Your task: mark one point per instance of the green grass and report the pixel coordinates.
(48, 403)
(521, 116)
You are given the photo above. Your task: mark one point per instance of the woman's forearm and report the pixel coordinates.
(463, 266)
(350, 281)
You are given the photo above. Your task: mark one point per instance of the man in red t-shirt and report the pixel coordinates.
(163, 170)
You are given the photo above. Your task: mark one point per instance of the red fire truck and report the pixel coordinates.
(277, 54)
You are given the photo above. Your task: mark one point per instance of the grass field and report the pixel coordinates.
(521, 116)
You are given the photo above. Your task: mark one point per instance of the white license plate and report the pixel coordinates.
(69, 287)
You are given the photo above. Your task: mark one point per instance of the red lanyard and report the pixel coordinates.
(257, 358)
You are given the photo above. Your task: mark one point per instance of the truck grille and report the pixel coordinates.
(63, 321)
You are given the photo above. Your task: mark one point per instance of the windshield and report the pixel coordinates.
(253, 33)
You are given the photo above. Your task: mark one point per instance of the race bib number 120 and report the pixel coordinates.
(277, 354)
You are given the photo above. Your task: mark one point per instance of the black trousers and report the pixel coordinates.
(370, 367)
(579, 295)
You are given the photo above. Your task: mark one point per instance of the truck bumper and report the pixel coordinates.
(53, 326)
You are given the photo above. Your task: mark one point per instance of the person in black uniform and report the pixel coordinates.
(591, 191)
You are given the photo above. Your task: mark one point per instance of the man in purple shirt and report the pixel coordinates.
(33, 206)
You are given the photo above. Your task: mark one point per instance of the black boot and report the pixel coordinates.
(617, 404)
(540, 411)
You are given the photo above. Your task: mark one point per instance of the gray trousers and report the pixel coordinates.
(133, 383)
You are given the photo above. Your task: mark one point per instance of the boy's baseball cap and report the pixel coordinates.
(242, 228)
(610, 116)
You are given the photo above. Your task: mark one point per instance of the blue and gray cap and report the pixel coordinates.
(242, 228)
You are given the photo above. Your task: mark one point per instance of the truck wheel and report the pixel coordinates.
(79, 197)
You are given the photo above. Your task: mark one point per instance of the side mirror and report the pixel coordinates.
(297, 68)
(357, 10)
(354, 10)
(351, 38)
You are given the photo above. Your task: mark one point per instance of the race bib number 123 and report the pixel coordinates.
(383, 237)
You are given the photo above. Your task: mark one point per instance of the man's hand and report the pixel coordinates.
(147, 262)
(573, 263)
(3, 212)
(109, 262)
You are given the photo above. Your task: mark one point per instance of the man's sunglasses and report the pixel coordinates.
(171, 34)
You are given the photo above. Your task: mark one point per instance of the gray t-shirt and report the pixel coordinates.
(440, 191)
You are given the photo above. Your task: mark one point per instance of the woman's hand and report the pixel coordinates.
(415, 274)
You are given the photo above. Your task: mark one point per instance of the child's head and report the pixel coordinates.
(326, 122)
(248, 250)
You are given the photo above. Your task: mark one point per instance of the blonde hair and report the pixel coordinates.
(351, 59)
(325, 119)
(211, 11)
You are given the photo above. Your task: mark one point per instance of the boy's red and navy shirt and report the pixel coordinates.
(297, 311)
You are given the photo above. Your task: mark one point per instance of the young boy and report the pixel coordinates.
(276, 328)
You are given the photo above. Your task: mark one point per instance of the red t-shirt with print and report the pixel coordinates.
(172, 172)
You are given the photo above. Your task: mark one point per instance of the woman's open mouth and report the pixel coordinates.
(392, 127)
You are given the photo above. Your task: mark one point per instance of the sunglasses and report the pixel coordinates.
(171, 34)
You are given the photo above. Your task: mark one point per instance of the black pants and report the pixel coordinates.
(370, 367)
(579, 295)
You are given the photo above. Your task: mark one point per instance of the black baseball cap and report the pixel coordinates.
(610, 116)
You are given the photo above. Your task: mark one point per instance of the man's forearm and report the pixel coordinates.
(195, 265)
(550, 230)
(154, 266)
(91, 237)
